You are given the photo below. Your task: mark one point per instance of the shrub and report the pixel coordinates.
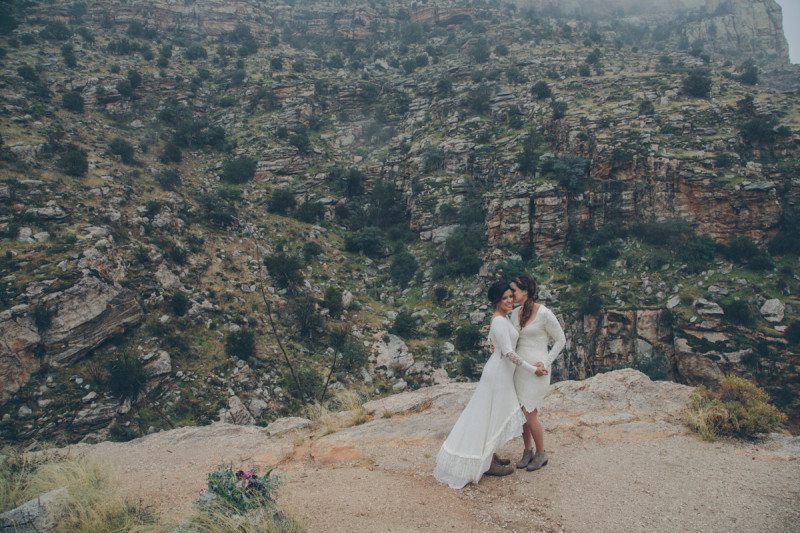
(444, 330)
(179, 304)
(792, 333)
(589, 300)
(276, 63)
(559, 109)
(737, 408)
(541, 90)
(284, 270)
(304, 310)
(480, 51)
(403, 267)
(55, 31)
(738, 312)
(333, 301)
(354, 356)
(72, 101)
(697, 252)
(171, 154)
(241, 344)
(440, 294)
(169, 179)
(43, 317)
(195, 51)
(122, 148)
(404, 325)
(646, 107)
(310, 212)
(28, 73)
(581, 274)
(300, 141)
(604, 255)
(697, 84)
(124, 88)
(311, 250)
(281, 202)
(74, 162)
(239, 170)
(68, 53)
(749, 73)
(468, 338)
(478, 99)
(126, 377)
(369, 241)
(762, 129)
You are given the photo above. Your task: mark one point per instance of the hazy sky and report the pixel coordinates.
(791, 27)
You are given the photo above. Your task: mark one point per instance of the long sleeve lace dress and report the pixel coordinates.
(492, 416)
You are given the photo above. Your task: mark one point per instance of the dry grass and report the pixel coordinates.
(349, 411)
(220, 518)
(737, 408)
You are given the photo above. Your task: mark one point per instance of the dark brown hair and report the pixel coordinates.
(496, 292)
(528, 284)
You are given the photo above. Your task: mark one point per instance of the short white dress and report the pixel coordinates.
(491, 418)
(532, 348)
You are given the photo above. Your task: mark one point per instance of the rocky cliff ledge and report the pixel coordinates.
(619, 460)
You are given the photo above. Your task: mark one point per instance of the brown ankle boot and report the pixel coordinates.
(527, 457)
(499, 470)
(539, 460)
(505, 462)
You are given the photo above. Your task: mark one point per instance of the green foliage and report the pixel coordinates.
(743, 251)
(478, 99)
(304, 309)
(571, 172)
(603, 255)
(179, 303)
(68, 53)
(232, 493)
(762, 129)
(300, 141)
(403, 268)
(480, 51)
(697, 84)
(72, 101)
(581, 274)
(171, 154)
(74, 162)
(738, 312)
(444, 87)
(439, 294)
(749, 73)
(311, 250)
(370, 241)
(589, 300)
(310, 212)
(461, 255)
(646, 107)
(125, 89)
(559, 109)
(404, 325)
(792, 333)
(333, 301)
(55, 30)
(468, 338)
(122, 148)
(169, 179)
(354, 356)
(28, 73)
(241, 344)
(737, 408)
(285, 270)
(43, 317)
(239, 170)
(195, 52)
(126, 377)
(541, 90)
(787, 240)
(281, 202)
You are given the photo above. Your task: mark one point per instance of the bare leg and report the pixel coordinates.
(535, 429)
(527, 440)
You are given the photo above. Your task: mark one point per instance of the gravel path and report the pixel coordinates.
(641, 474)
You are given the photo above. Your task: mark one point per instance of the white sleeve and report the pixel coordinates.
(556, 333)
(502, 341)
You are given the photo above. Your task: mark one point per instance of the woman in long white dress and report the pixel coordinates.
(492, 417)
(537, 326)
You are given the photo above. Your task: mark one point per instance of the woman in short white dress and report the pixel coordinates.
(492, 417)
(537, 326)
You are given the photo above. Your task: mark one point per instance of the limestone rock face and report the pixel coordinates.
(39, 514)
(237, 413)
(773, 310)
(85, 315)
(393, 355)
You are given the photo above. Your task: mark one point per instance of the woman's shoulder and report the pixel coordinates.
(500, 322)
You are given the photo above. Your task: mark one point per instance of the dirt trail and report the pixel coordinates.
(619, 469)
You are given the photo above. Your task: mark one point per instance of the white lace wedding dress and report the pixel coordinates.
(491, 418)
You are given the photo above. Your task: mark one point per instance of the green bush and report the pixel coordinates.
(787, 239)
(169, 179)
(28, 73)
(284, 270)
(122, 148)
(404, 325)
(43, 317)
(68, 53)
(333, 301)
(697, 84)
(737, 408)
(310, 212)
(179, 304)
(281, 202)
(74, 162)
(403, 268)
(589, 300)
(603, 255)
(171, 154)
(440, 294)
(646, 107)
(194, 52)
(792, 333)
(370, 241)
(468, 338)
(125, 89)
(126, 377)
(241, 344)
(354, 356)
(55, 30)
(304, 309)
(239, 170)
(72, 101)
(311, 250)
(581, 274)
(738, 312)
(444, 330)
(541, 90)
(231, 493)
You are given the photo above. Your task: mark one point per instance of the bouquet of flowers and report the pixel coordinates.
(240, 490)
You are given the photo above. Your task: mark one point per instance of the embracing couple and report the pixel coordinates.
(509, 394)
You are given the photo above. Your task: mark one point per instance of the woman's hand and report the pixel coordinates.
(541, 370)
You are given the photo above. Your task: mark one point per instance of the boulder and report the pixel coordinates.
(157, 364)
(706, 307)
(284, 425)
(237, 413)
(393, 355)
(773, 310)
(39, 514)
